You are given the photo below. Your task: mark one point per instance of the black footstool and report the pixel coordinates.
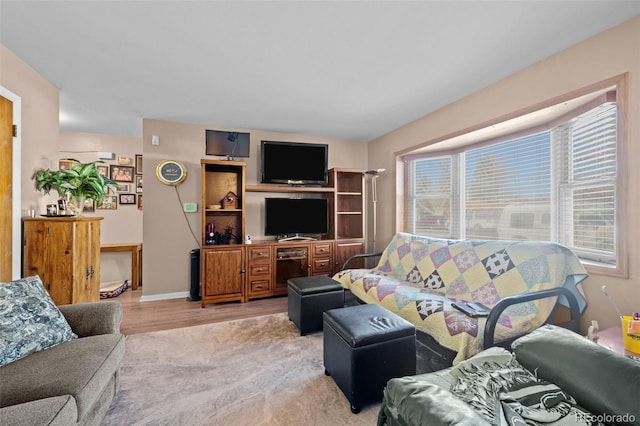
(309, 297)
(364, 347)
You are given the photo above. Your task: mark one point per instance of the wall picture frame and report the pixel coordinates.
(109, 202)
(138, 164)
(121, 173)
(125, 187)
(103, 171)
(65, 164)
(140, 202)
(89, 206)
(138, 183)
(127, 198)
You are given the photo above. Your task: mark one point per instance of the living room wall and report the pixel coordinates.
(123, 225)
(40, 125)
(610, 53)
(167, 234)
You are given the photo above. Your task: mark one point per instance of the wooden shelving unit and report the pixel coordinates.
(222, 266)
(241, 272)
(347, 205)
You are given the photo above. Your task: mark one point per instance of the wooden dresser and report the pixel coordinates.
(65, 253)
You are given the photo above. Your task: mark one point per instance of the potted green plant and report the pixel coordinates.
(82, 181)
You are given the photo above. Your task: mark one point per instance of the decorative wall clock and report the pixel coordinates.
(171, 172)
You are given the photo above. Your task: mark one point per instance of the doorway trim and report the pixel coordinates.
(16, 229)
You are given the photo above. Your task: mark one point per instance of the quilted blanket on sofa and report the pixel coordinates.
(419, 277)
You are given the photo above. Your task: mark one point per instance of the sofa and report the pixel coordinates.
(552, 376)
(420, 278)
(71, 382)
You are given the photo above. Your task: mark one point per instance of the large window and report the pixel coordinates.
(553, 182)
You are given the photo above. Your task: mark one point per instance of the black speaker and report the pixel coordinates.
(194, 290)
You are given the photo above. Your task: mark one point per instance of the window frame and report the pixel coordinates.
(440, 147)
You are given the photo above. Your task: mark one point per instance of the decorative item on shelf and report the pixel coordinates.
(62, 207)
(213, 237)
(228, 237)
(230, 201)
(81, 181)
(52, 210)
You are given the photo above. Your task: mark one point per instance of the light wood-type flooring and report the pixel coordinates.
(142, 317)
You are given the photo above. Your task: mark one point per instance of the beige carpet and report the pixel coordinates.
(256, 371)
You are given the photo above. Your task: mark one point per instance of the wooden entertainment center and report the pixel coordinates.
(234, 271)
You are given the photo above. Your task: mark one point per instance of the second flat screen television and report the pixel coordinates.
(287, 217)
(294, 163)
(229, 144)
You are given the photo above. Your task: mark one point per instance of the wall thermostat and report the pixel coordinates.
(190, 207)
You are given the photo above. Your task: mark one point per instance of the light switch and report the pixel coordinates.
(155, 140)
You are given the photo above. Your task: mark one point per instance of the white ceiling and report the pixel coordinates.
(350, 70)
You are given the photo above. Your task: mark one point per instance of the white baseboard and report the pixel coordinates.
(164, 296)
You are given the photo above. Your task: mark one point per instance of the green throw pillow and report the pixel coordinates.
(29, 320)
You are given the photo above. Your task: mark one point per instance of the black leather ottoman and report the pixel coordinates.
(364, 347)
(309, 297)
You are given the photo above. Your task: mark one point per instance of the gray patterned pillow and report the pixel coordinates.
(29, 320)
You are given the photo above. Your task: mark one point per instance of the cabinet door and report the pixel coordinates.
(86, 262)
(223, 275)
(291, 262)
(346, 249)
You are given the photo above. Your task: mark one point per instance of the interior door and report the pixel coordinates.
(6, 188)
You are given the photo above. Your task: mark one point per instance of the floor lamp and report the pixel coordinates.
(375, 174)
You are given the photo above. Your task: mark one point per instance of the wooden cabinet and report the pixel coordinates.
(321, 262)
(271, 264)
(239, 272)
(344, 250)
(260, 261)
(223, 274)
(65, 253)
(222, 263)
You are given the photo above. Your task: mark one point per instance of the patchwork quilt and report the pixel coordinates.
(419, 277)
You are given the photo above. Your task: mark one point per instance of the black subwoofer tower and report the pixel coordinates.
(194, 290)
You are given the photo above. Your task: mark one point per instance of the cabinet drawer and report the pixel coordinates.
(260, 269)
(322, 249)
(259, 286)
(321, 266)
(258, 253)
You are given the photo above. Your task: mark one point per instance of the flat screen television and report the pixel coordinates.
(228, 144)
(296, 218)
(294, 163)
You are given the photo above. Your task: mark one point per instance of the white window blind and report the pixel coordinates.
(508, 189)
(587, 187)
(555, 185)
(430, 197)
